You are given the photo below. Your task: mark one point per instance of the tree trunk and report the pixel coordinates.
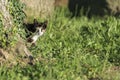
(38, 8)
(6, 18)
(11, 54)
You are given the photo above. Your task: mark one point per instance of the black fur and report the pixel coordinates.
(32, 27)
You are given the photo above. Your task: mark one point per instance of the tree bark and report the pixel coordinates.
(6, 18)
(12, 53)
(38, 8)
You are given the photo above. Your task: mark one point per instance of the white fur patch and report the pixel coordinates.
(37, 35)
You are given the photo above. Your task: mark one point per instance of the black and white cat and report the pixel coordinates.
(37, 29)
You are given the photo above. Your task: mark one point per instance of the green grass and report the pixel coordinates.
(73, 49)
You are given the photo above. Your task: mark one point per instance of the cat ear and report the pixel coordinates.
(35, 22)
(46, 22)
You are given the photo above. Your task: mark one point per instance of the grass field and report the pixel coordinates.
(73, 49)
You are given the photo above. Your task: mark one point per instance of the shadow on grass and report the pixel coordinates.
(88, 7)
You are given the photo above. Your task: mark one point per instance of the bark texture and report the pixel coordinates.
(13, 54)
(6, 18)
(38, 8)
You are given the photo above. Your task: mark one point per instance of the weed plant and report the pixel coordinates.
(9, 37)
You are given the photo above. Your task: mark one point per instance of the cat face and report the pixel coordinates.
(42, 25)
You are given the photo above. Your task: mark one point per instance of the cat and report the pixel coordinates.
(36, 29)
